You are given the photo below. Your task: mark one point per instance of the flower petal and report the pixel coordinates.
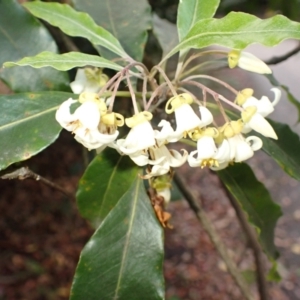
(63, 115)
(262, 126)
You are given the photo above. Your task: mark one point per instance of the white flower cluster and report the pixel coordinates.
(95, 126)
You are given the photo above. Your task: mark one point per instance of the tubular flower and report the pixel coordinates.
(208, 154)
(242, 149)
(247, 61)
(89, 121)
(163, 159)
(104, 135)
(257, 122)
(88, 80)
(186, 119)
(139, 138)
(264, 105)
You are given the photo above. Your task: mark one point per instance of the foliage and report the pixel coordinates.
(123, 259)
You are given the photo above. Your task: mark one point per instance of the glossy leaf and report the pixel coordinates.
(27, 124)
(64, 62)
(285, 150)
(127, 20)
(255, 200)
(166, 33)
(290, 96)
(238, 30)
(104, 182)
(123, 259)
(75, 23)
(22, 35)
(192, 11)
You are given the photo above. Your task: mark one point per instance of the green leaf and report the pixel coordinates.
(166, 33)
(192, 11)
(238, 30)
(64, 62)
(123, 259)
(27, 124)
(255, 200)
(22, 35)
(104, 182)
(285, 150)
(127, 20)
(75, 23)
(290, 96)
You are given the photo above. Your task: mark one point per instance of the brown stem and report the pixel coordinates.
(25, 172)
(208, 227)
(278, 59)
(253, 243)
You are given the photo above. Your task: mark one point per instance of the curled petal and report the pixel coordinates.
(63, 115)
(254, 142)
(176, 159)
(192, 161)
(277, 93)
(166, 134)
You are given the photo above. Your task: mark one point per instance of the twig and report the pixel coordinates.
(278, 59)
(207, 225)
(253, 243)
(25, 172)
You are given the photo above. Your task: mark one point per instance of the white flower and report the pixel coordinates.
(139, 138)
(163, 159)
(87, 115)
(247, 61)
(166, 134)
(257, 122)
(242, 149)
(264, 105)
(88, 80)
(89, 121)
(186, 119)
(208, 154)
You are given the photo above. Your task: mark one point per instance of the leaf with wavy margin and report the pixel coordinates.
(64, 62)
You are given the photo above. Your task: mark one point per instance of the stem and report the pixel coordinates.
(154, 94)
(278, 59)
(215, 239)
(113, 95)
(25, 172)
(194, 56)
(225, 84)
(162, 72)
(135, 108)
(206, 63)
(203, 87)
(253, 243)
